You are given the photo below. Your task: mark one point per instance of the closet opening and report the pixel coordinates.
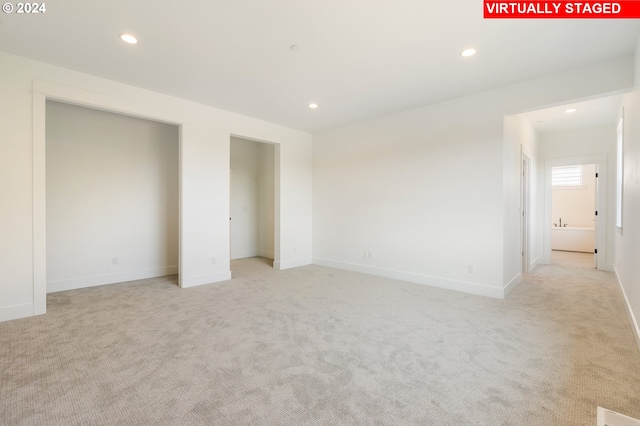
(252, 200)
(112, 197)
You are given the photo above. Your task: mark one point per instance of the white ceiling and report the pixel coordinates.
(357, 59)
(594, 112)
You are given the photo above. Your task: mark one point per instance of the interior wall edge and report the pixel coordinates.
(534, 263)
(512, 284)
(8, 313)
(193, 281)
(295, 263)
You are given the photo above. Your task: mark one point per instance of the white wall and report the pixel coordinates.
(244, 198)
(204, 177)
(520, 138)
(627, 239)
(581, 143)
(252, 199)
(112, 197)
(266, 200)
(428, 191)
(576, 205)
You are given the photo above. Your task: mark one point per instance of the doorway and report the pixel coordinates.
(573, 207)
(252, 199)
(575, 211)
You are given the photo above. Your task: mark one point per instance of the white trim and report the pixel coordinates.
(276, 205)
(525, 210)
(107, 102)
(8, 313)
(607, 417)
(288, 264)
(197, 280)
(96, 280)
(601, 232)
(534, 264)
(465, 287)
(511, 285)
(265, 253)
(632, 317)
(619, 198)
(39, 186)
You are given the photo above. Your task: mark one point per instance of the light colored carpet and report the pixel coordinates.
(572, 258)
(319, 346)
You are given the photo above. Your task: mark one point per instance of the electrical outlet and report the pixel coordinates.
(213, 260)
(369, 255)
(114, 260)
(364, 254)
(470, 269)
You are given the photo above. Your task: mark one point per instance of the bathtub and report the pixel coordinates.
(573, 238)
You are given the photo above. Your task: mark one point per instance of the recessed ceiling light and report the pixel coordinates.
(468, 52)
(570, 110)
(313, 105)
(128, 38)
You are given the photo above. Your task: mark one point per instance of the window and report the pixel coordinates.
(619, 169)
(566, 176)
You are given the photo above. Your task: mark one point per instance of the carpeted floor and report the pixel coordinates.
(574, 259)
(319, 346)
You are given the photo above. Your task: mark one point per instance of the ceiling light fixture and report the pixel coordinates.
(468, 52)
(570, 110)
(313, 105)
(128, 38)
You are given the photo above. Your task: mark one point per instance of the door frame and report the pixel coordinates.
(276, 195)
(525, 208)
(600, 160)
(43, 91)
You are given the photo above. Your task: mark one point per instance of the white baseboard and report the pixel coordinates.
(611, 418)
(632, 317)
(287, 264)
(267, 254)
(8, 313)
(533, 264)
(75, 283)
(462, 286)
(245, 254)
(511, 285)
(193, 281)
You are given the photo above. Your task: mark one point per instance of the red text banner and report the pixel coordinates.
(626, 9)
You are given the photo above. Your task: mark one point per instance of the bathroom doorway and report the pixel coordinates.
(574, 215)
